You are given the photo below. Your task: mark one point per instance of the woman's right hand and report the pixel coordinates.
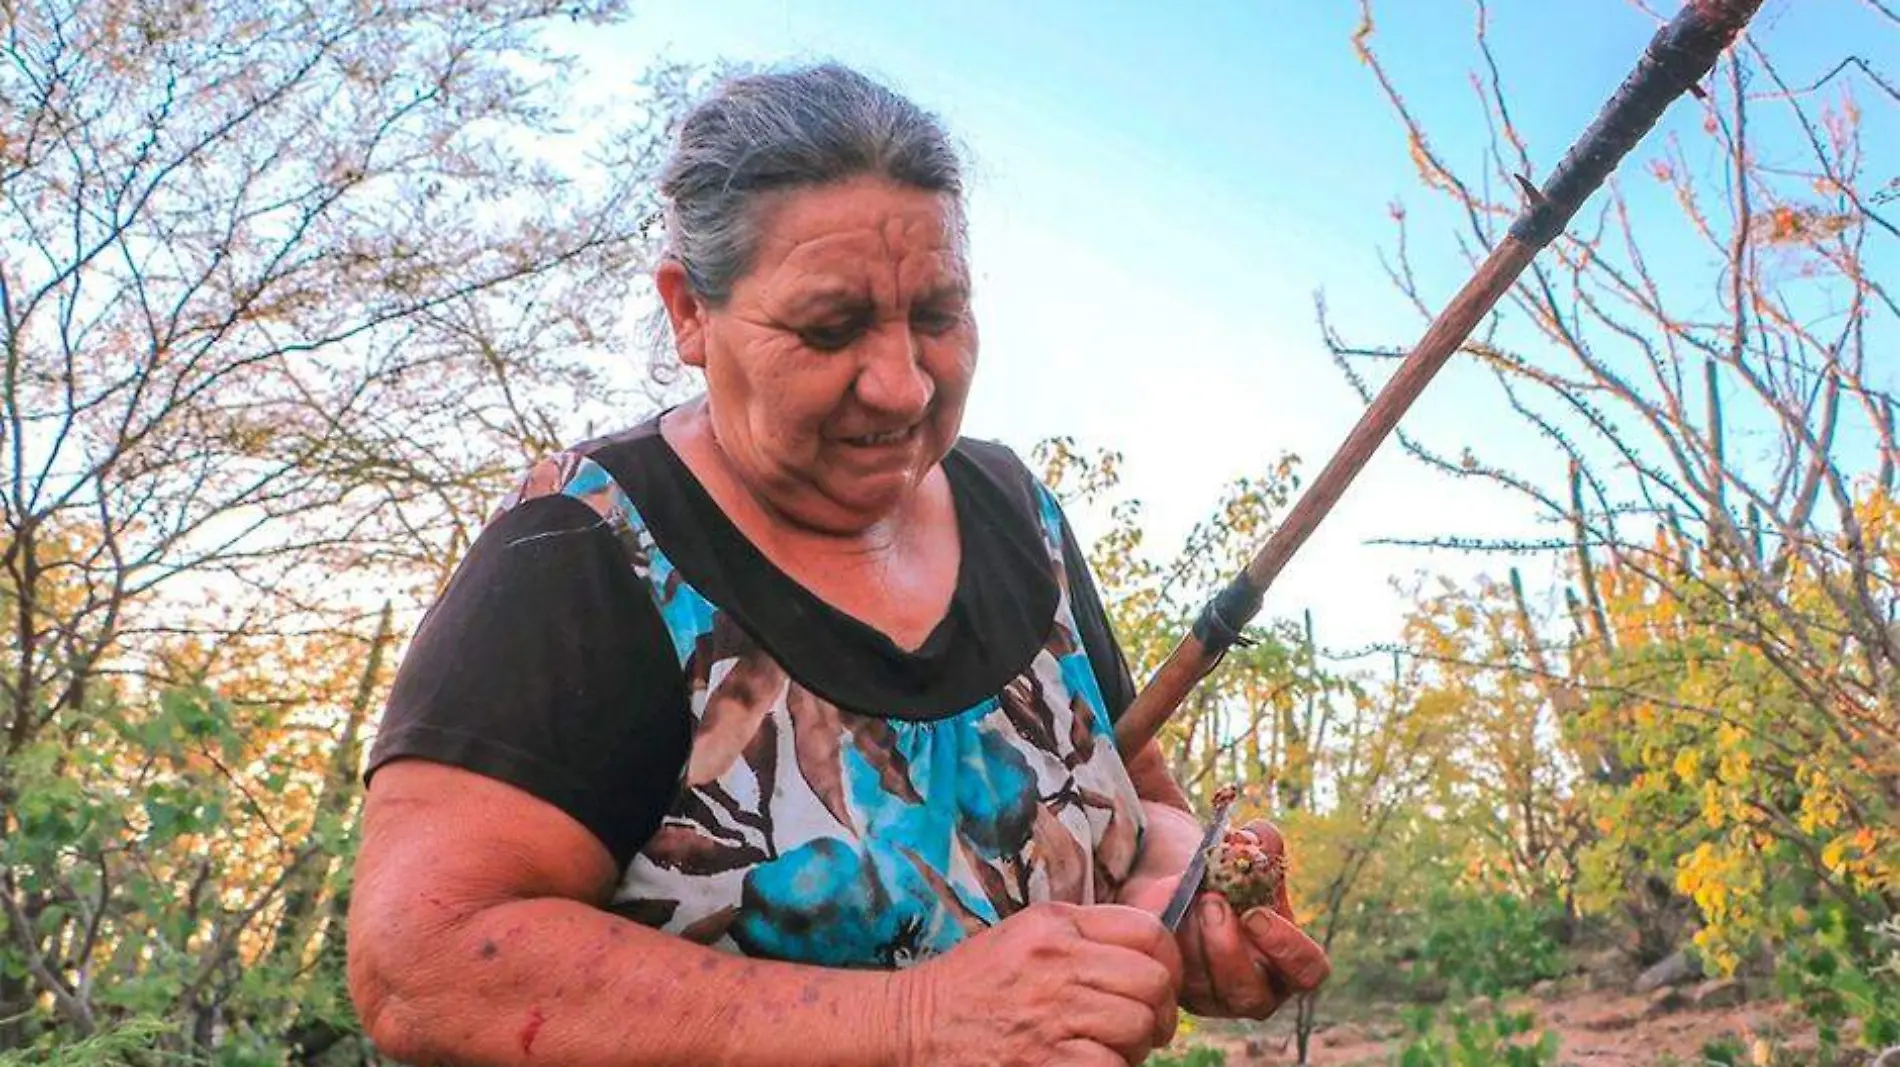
(1054, 985)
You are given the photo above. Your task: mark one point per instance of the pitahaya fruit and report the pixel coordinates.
(1239, 869)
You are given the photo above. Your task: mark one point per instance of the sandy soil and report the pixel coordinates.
(1594, 1028)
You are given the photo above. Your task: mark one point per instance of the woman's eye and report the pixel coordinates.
(830, 337)
(935, 320)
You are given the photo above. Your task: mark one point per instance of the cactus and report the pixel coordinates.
(1574, 606)
(1885, 477)
(1718, 461)
(1586, 569)
(1242, 870)
(1684, 545)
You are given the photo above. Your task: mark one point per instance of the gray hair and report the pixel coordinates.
(761, 133)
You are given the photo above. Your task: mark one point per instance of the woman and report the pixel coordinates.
(778, 729)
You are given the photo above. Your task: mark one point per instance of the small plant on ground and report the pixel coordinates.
(1490, 1039)
(1489, 944)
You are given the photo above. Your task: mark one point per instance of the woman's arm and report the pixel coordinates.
(1153, 781)
(477, 935)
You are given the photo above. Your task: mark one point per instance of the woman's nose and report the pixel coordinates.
(893, 379)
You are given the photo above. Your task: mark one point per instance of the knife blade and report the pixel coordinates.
(1196, 871)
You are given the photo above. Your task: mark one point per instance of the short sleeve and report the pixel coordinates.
(544, 664)
(1098, 636)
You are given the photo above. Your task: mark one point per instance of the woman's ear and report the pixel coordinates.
(684, 311)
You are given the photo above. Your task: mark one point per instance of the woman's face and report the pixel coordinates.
(836, 373)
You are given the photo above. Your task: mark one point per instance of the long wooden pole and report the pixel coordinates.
(1680, 54)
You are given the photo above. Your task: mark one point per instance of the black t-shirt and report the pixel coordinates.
(546, 664)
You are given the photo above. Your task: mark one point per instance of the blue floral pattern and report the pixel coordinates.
(806, 832)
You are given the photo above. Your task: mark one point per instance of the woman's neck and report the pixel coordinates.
(897, 574)
(690, 431)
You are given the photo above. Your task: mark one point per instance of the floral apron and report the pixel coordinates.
(806, 832)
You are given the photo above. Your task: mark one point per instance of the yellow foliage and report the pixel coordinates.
(1688, 765)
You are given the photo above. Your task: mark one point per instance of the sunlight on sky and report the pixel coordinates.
(1159, 194)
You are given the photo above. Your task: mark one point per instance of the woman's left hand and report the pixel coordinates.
(1234, 965)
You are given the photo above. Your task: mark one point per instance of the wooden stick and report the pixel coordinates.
(1679, 55)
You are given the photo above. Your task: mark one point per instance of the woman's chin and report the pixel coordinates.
(852, 506)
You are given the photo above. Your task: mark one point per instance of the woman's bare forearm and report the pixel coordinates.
(1148, 770)
(553, 981)
(479, 934)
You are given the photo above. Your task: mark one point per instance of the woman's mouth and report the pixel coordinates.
(880, 440)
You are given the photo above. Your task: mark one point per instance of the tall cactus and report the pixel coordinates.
(1297, 770)
(1724, 547)
(1885, 477)
(1718, 459)
(1560, 691)
(1579, 622)
(1586, 568)
(1684, 544)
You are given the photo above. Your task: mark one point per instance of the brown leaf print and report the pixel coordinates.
(1023, 705)
(1062, 640)
(734, 810)
(711, 928)
(549, 475)
(970, 921)
(685, 849)
(723, 642)
(876, 741)
(1058, 562)
(635, 549)
(816, 745)
(647, 912)
(692, 807)
(995, 886)
(762, 756)
(1060, 854)
(1115, 852)
(734, 709)
(1081, 731)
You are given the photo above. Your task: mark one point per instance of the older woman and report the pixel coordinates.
(778, 729)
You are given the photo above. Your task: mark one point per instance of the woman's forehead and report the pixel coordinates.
(851, 234)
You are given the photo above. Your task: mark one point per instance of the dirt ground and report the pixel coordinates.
(1595, 1029)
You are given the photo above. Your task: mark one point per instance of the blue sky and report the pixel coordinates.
(1159, 191)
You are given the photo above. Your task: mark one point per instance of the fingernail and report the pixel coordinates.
(1260, 922)
(1213, 911)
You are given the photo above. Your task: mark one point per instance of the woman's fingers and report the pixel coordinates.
(1078, 1052)
(1239, 965)
(1139, 982)
(1296, 958)
(1146, 970)
(1273, 843)
(1234, 967)
(1123, 1024)
(1197, 985)
(1131, 928)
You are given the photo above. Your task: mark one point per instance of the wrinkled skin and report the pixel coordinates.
(852, 326)
(1052, 984)
(854, 322)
